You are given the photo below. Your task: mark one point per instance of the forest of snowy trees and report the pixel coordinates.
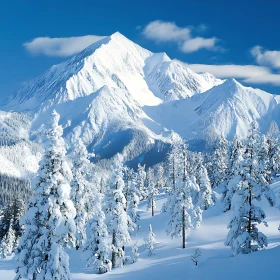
(71, 204)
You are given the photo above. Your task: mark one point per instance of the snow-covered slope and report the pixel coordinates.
(226, 109)
(172, 262)
(18, 156)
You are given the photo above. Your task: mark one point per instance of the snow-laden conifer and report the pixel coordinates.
(152, 190)
(82, 191)
(150, 241)
(244, 236)
(98, 248)
(233, 172)
(117, 218)
(49, 220)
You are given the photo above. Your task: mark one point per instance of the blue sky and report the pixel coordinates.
(228, 38)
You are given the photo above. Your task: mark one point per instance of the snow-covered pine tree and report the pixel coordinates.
(174, 167)
(49, 220)
(141, 179)
(150, 241)
(217, 162)
(135, 253)
(183, 214)
(152, 190)
(244, 236)
(132, 204)
(81, 189)
(160, 176)
(206, 196)
(10, 229)
(97, 248)
(118, 220)
(233, 172)
(8, 242)
(263, 158)
(273, 148)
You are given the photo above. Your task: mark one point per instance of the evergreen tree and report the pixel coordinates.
(8, 242)
(81, 189)
(217, 163)
(135, 253)
(152, 190)
(49, 220)
(206, 196)
(9, 225)
(150, 241)
(141, 179)
(273, 148)
(233, 172)
(244, 236)
(160, 177)
(118, 220)
(184, 215)
(132, 205)
(97, 247)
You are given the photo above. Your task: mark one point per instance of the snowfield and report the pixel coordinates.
(172, 262)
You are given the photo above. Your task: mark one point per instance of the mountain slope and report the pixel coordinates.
(119, 97)
(226, 109)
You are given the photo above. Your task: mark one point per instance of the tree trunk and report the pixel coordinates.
(153, 209)
(114, 253)
(184, 228)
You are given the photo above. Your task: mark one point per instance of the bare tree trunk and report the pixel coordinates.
(114, 253)
(184, 228)
(153, 208)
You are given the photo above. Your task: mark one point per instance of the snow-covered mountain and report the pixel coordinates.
(226, 109)
(120, 97)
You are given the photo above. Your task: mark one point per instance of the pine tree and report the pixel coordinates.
(141, 179)
(132, 205)
(152, 190)
(135, 253)
(8, 242)
(243, 236)
(81, 191)
(206, 196)
(174, 165)
(160, 177)
(217, 163)
(273, 148)
(233, 172)
(118, 220)
(97, 247)
(10, 229)
(49, 220)
(150, 241)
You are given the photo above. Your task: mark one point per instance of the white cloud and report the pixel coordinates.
(269, 58)
(164, 31)
(60, 46)
(197, 43)
(247, 73)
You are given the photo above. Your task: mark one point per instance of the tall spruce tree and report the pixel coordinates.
(98, 248)
(273, 148)
(152, 190)
(82, 191)
(49, 220)
(217, 162)
(244, 236)
(117, 217)
(233, 172)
